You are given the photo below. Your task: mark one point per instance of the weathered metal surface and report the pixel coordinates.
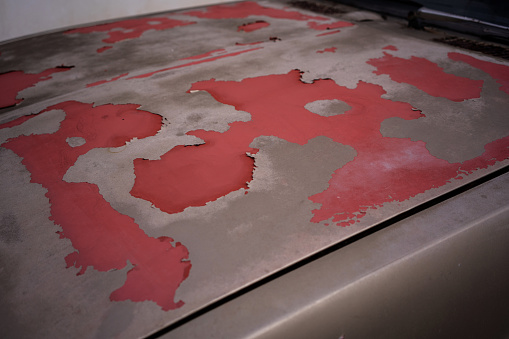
(153, 165)
(436, 274)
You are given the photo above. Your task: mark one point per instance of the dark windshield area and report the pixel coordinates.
(493, 11)
(486, 18)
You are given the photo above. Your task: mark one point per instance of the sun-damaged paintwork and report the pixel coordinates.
(180, 157)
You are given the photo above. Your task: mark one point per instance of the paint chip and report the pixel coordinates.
(76, 141)
(328, 108)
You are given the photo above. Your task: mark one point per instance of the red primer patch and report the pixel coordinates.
(390, 48)
(253, 26)
(106, 81)
(328, 33)
(16, 122)
(103, 238)
(385, 169)
(332, 25)
(496, 71)
(248, 8)
(194, 175)
(205, 55)
(330, 50)
(146, 75)
(130, 29)
(11, 83)
(105, 48)
(428, 77)
(392, 170)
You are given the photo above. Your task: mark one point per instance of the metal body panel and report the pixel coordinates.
(440, 273)
(156, 165)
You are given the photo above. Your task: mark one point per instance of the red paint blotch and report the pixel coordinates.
(16, 122)
(105, 48)
(496, 71)
(246, 9)
(11, 83)
(205, 55)
(130, 29)
(330, 50)
(194, 175)
(146, 75)
(253, 26)
(385, 169)
(106, 81)
(390, 48)
(428, 77)
(103, 238)
(328, 33)
(332, 25)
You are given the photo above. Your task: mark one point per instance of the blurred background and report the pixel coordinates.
(19, 18)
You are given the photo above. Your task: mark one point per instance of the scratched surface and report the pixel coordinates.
(153, 165)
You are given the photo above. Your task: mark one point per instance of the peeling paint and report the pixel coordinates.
(269, 156)
(146, 75)
(393, 170)
(496, 71)
(105, 48)
(192, 176)
(253, 26)
(106, 81)
(428, 77)
(102, 237)
(385, 169)
(276, 104)
(209, 57)
(246, 9)
(129, 29)
(330, 50)
(332, 25)
(11, 83)
(390, 48)
(206, 55)
(328, 33)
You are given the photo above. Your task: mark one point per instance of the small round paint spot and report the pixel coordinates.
(76, 141)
